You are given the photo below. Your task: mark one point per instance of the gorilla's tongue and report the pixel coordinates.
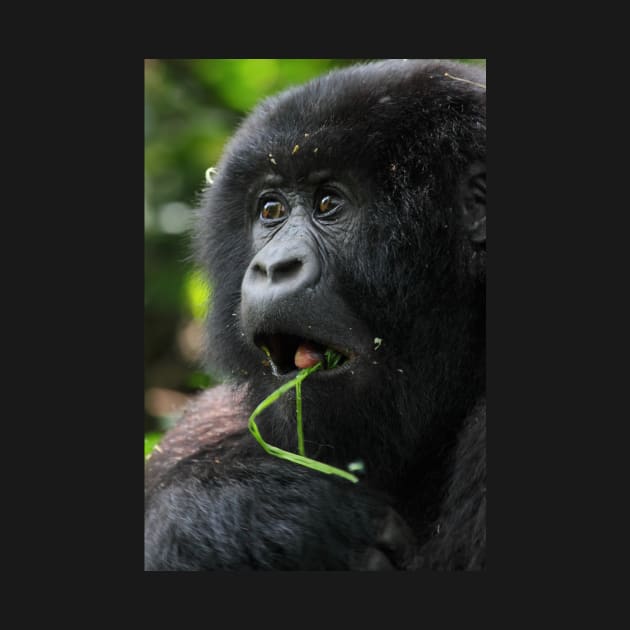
(308, 354)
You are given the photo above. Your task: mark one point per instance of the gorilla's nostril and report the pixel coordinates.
(259, 270)
(284, 270)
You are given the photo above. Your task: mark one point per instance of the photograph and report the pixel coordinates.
(314, 315)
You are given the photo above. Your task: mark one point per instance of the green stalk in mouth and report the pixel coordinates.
(332, 359)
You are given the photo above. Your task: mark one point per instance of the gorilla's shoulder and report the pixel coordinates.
(207, 419)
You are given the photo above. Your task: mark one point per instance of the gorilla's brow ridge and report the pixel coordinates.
(273, 179)
(316, 177)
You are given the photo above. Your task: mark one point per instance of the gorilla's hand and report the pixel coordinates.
(268, 514)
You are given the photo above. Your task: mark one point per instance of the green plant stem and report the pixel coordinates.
(298, 413)
(281, 453)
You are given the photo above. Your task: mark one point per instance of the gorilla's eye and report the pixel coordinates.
(272, 209)
(327, 203)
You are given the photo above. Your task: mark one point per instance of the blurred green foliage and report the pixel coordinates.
(150, 440)
(191, 107)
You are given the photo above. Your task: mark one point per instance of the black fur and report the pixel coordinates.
(404, 262)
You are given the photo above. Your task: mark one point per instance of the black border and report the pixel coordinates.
(96, 502)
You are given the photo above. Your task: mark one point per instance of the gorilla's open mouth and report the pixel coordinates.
(290, 352)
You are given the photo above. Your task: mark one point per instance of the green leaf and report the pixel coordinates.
(150, 442)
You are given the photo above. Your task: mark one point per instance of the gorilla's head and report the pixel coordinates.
(349, 214)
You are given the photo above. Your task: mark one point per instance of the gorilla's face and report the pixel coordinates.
(340, 220)
(290, 299)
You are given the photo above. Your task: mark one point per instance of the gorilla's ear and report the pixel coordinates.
(473, 203)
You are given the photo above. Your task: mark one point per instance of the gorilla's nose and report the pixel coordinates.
(280, 271)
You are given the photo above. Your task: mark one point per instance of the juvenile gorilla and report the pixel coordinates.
(346, 214)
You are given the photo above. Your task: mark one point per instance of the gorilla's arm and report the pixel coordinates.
(459, 540)
(228, 505)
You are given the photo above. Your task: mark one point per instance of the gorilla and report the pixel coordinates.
(345, 215)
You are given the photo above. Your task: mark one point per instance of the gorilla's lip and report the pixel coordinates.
(282, 347)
